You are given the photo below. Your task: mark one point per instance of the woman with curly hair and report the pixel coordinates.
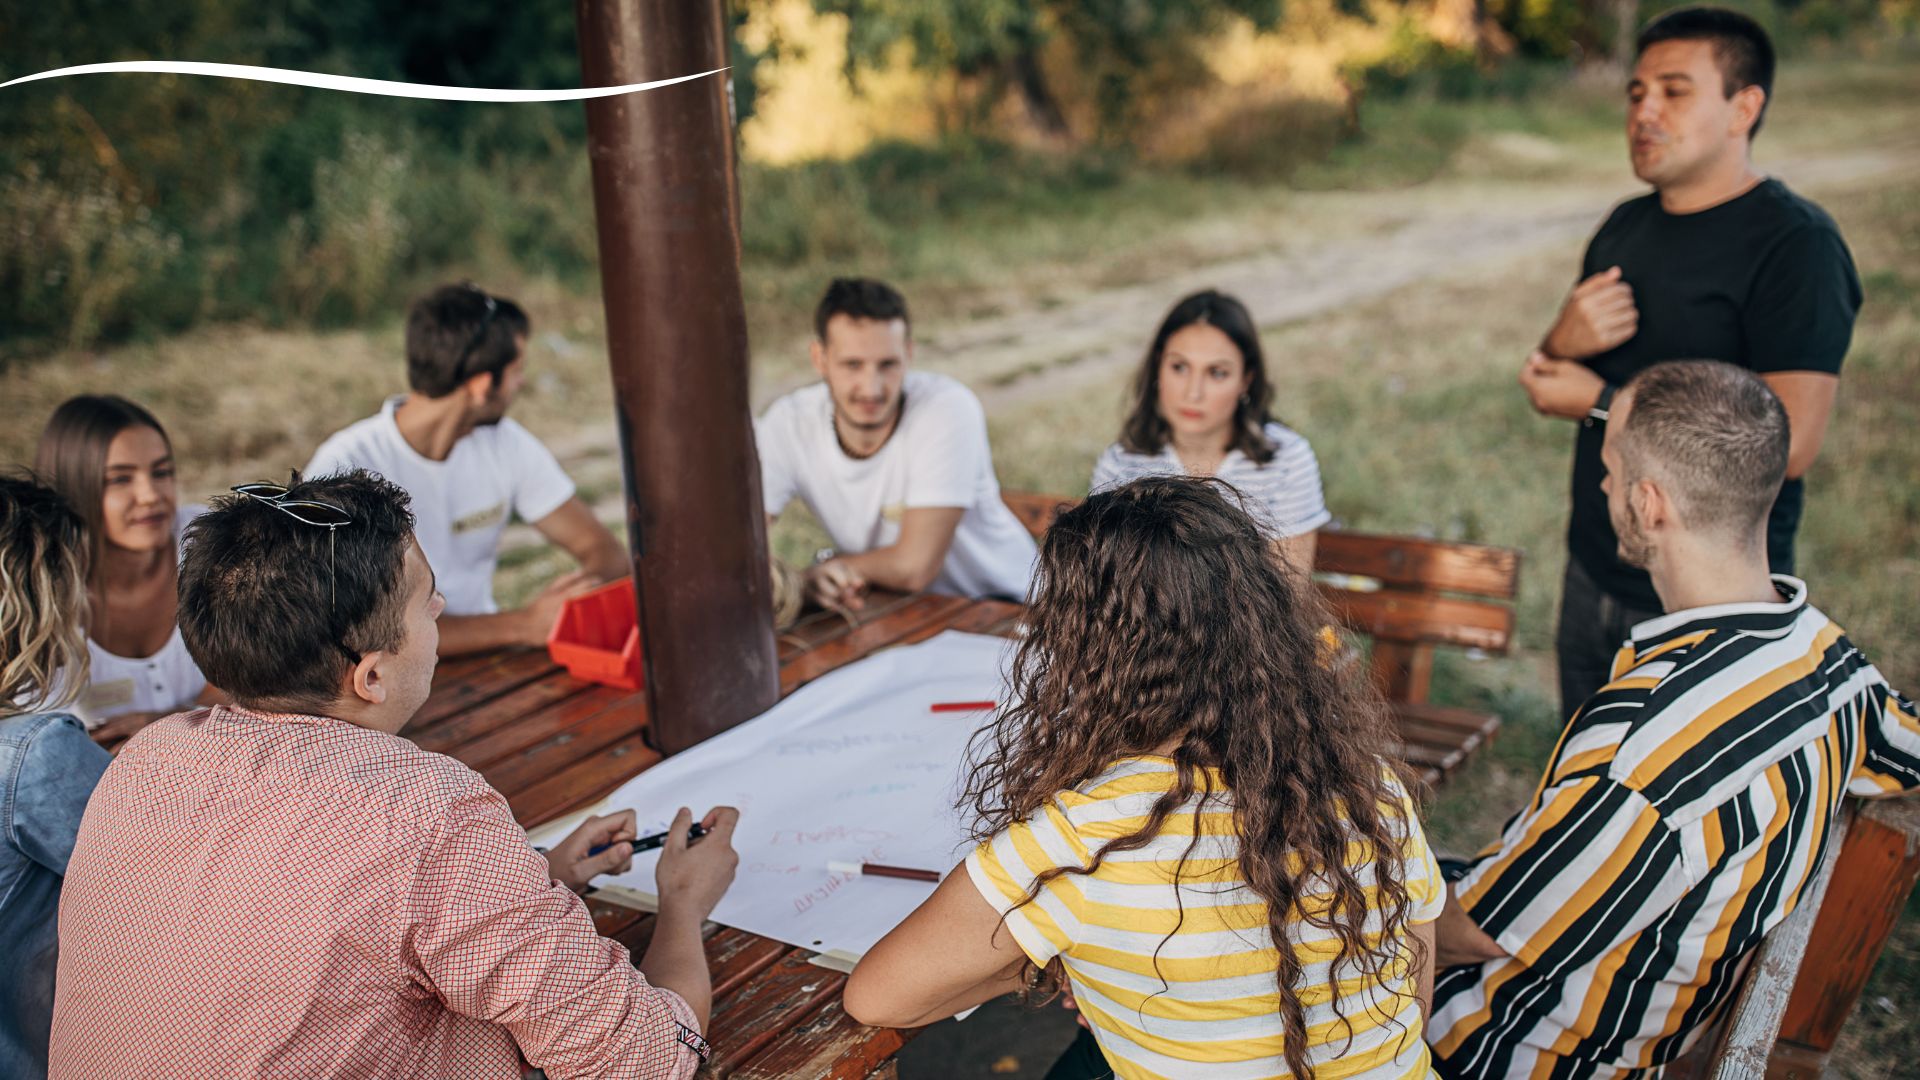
(1182, 816)
(48, 766)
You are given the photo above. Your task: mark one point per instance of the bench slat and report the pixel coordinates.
(1423, 619)
(1413, 563)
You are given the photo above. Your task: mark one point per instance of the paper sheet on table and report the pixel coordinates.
(853, 767)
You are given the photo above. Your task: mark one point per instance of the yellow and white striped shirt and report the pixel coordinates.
(1174, 966)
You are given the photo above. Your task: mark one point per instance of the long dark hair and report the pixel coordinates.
(72, 456)
(1161, 616)
(1146, 432)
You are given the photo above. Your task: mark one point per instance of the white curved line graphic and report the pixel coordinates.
(353, 84)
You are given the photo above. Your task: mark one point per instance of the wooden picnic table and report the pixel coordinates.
(553, 745)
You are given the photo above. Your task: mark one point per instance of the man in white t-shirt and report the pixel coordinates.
(894, 463)
(469, 469)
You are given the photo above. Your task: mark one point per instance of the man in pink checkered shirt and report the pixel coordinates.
(286, 888)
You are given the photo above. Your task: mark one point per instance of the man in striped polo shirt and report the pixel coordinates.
(1689, 800)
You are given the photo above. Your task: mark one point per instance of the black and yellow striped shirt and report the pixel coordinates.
(1683, 812)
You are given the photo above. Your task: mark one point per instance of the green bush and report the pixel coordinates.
(76, 255)
(1413, 61)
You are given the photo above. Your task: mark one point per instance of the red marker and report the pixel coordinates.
(966, 706)
(878, 870)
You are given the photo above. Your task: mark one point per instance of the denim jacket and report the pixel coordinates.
(48, 767)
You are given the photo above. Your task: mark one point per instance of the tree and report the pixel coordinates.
(1002, 40)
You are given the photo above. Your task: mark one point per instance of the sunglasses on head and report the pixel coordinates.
(320, 515)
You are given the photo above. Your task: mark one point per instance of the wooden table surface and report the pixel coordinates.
(553, 745)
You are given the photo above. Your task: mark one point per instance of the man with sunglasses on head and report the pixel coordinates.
(469, 468)
(285, 887)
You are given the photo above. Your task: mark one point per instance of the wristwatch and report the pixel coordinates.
(1598, 414)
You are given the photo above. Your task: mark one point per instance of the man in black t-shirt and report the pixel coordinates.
(1719, 262)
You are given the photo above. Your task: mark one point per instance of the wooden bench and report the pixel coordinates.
(1408, 595)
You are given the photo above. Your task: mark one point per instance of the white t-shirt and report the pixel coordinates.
(164, 682)
(1283, 495)
(460, 505)
(936, 457)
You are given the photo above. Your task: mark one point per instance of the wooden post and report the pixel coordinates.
(664, 201)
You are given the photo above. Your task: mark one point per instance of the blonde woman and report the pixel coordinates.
(48, 766)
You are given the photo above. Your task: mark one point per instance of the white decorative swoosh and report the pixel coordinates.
(352, 84)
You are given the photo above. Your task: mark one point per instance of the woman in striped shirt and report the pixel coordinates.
(1183, 818)
(1200, 408)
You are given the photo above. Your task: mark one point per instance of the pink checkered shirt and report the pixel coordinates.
(293, 896)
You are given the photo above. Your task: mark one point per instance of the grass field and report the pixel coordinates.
(1409, 396)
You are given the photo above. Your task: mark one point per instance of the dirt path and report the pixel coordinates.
(1378, 242)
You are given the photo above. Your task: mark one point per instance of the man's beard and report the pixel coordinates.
(885, 421)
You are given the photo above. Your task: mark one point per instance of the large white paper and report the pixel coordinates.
(854, 767)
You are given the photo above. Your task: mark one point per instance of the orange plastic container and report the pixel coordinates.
(597, 637)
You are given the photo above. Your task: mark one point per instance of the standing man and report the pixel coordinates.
(468, 468)
(894, 463)
(1717, 262)
(1691, 798)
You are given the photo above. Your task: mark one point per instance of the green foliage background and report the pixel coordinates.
(132, 206)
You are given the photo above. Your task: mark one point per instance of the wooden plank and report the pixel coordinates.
(735, 957)
(1422, 565)
(1405, 561)
(533, 730)
(979, 617)
(593, 731)
(1397, 615)
(924, 610)
(829, 1045)
(450, 734)
(463, 689)
(777, 999)
(582, 783)
(1455, 733)
(1878, 865)
(821, 627)
(636, 936)
(611, 917)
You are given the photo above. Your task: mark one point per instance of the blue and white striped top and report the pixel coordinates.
(1283, 495)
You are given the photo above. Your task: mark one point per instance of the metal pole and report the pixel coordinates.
(663, 196)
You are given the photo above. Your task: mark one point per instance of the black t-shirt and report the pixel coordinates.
(1763, 281)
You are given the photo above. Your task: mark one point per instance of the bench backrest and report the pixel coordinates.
(1408, 594)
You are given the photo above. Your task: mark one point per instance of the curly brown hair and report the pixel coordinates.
(1162, 619)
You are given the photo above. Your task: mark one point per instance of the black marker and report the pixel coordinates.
(648, 843)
